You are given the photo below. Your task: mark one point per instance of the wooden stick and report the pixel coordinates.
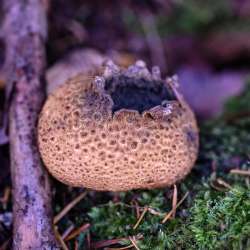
(25, 32)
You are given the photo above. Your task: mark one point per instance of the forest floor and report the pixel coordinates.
(210, 209)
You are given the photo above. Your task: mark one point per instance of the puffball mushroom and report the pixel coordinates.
(125, 129)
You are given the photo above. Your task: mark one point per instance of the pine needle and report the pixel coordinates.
(60, 240)
(154, 212)
(6, 195)
(141, 217)
(174, 201)
(77, 231)
(168, 215)
(137, 208)
(121, 248)
(66, 209)
(67, 231)
(106, 243)
(223, 183)
(76, 245)
(240, 172)
(133, 241)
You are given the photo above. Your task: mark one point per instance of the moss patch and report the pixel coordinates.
(215, 214)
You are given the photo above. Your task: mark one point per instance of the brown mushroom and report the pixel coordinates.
(127, 129)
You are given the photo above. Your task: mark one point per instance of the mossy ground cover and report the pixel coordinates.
(216, 211)
(214, 215)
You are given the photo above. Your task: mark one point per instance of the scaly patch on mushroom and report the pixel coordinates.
(126, 129)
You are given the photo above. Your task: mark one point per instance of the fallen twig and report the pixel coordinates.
(25, 33)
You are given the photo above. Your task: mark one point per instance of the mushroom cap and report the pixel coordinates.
(127, 129)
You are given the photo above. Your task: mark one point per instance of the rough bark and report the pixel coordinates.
(25, 32)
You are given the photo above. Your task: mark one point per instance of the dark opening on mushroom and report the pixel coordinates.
(137, 93)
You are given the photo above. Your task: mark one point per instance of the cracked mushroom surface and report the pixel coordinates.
(125, 129)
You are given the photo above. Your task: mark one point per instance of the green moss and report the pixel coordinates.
(221, 141)
(239, 105)
(222, 222)
(190, 17)
(195, 16)
(211, 217)
(216, 220)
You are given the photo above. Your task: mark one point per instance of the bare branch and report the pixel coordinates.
(25, 32)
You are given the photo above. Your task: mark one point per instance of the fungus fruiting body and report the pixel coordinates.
(125, 129)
